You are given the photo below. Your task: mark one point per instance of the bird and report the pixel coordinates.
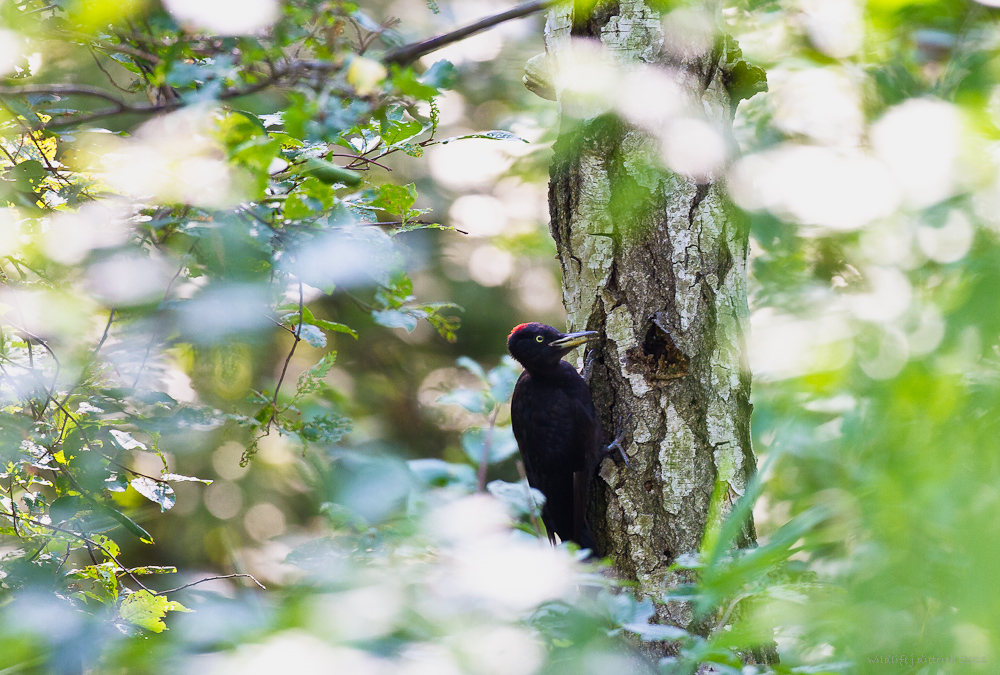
(556, 427)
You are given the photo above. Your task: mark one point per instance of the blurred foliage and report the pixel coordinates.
(235, 246)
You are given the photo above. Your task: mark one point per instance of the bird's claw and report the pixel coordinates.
(588, 364)
(616, 444)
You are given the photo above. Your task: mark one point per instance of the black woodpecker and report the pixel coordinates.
(556, 427)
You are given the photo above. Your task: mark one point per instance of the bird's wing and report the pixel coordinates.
(520, 418)
(522, 410)
(581, 482)
(587, 440)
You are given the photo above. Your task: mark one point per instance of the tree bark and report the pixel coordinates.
(657, 262)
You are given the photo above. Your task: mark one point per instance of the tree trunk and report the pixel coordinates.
(657, 262)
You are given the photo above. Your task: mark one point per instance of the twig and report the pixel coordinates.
(729, 610)
(13, 504)
(276, 322)
(409, 53)
(375, 34)
(284, 369)
(69, 90)
(38, 9)
(359, 158)
(408, 222)
(63, 561)
(111, 47)
(221, 576)
(97, 62)
(93, 354)
(13, 160)
(120, 106)
(28, 338)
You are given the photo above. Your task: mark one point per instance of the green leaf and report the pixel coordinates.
(407, 83)
(335, 327)
(328, 428)
(312, 335)
(65, 507)
(441, 75)
(146, 610)
(176, 477)
(394, 133)
(495, 134)
(444, 324)
(27, 175)
(254, 121)
(519, 497)
(471, 366)
(109, 544)
(20, 106)
(502, 444)
(440, 473)
(393, 318)
(502, 380)
(125, 440)
(311, 380)
(129, 524)
(397, 199)
(329, 173)
(154, 569)
(155, 491)
(472, 400)
(116, 482)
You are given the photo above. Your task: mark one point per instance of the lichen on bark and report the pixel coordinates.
(655, 261)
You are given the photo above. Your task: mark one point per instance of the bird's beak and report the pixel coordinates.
(571, 340)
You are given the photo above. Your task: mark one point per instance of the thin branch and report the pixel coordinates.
(409, 53)
(374, 35)
(276, 322)
(13, 504)
(729, 610)
(111, 47)
(401, 56)
(13, 160)
(111, 79)
(104, 337)
(360, 158)
(63, 561)
(221, 576)
(284, 368)
(39, 9)
(357, 29)
(120, 106)
(48, 389)
(93, 354)
(409, 222)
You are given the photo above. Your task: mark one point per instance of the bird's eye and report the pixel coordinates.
(539, 338)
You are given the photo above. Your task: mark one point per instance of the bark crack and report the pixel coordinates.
(699, 196)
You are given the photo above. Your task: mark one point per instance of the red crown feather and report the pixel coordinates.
(516, 328)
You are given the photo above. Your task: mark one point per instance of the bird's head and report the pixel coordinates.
(536, 345)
